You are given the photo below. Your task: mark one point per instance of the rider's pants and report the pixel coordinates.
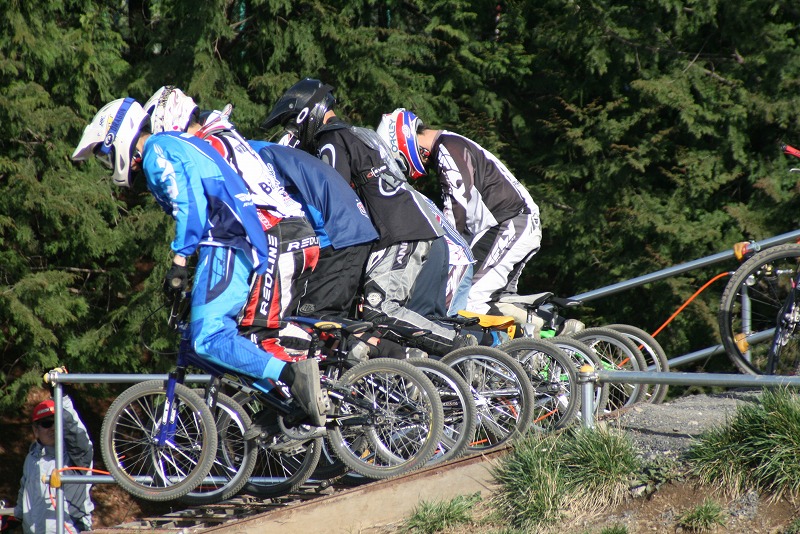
(219, 292)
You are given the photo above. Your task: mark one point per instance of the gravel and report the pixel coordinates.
(668, 429)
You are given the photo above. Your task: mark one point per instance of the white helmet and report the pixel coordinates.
(112, 136)
(399, 129)
(170, 110)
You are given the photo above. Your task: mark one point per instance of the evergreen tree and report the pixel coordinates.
(646, 131)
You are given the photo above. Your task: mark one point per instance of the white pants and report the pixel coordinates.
(501, 253)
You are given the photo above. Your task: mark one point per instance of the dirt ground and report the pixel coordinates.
(660, 512)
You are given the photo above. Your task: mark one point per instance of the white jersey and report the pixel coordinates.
(260, 177)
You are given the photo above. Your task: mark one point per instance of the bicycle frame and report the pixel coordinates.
(188, 357)
(785, 326)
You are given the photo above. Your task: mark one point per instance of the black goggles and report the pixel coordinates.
(45, 423)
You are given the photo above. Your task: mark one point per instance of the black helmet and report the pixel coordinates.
(302, 106)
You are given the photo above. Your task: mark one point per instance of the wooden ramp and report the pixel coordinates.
(369, 508)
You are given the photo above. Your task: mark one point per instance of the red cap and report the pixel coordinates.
(44, 409)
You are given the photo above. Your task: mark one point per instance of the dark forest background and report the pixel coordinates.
(648, 132)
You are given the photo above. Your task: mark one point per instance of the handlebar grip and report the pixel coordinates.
(176, 283)
(792, 151)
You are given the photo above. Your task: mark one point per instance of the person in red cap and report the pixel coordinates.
(34, 507)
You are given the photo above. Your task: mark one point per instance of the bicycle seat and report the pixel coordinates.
(321, 324)
(498, 322)
(533, 301)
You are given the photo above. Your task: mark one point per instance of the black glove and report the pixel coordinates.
(176, 280)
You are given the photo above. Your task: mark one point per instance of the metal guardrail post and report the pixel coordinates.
(57, 379)
(58, 398)
(587, 379)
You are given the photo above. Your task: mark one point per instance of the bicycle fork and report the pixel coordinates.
(786, 324)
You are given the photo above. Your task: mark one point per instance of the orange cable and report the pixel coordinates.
(50, 490)
(689, 300)
(98, 471)
(53, 502)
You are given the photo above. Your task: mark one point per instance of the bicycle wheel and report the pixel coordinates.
(750, 305)
(552, 375)
(616, 353)
(459, 416)
(280, 467)
(458, 406)
(387, 418)
(582, 354)
(129, 441)
(235, 458)
(654, 356)
(502, 391)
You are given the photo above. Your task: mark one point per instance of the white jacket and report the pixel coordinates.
(34, 507)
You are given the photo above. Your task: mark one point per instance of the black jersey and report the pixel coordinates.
(399, 212)
(479, 191)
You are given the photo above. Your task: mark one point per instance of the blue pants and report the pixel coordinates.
(220, 290)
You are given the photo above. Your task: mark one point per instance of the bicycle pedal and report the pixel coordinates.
(302, 432)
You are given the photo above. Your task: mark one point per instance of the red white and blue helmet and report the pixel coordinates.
(399, 129)
(112, 136)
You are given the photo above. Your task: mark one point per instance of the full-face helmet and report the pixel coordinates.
(399, 129)
(302, 108)
(112, 136)
(170, 110)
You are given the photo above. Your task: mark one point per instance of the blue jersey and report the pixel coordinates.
(332, 207)
(208, 200)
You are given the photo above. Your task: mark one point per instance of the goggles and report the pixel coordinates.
(106, 158)
(45, 423)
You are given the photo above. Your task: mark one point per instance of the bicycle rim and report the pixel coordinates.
(458, 407)
(654, 356)
(278, 472)
(552, 375)
(582, 354)
(616, 353)
(130, 447)
(751, 306)
(405, 417)
(503, 395)
(235, 457)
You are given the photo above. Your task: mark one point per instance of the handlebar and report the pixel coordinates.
(790, 150)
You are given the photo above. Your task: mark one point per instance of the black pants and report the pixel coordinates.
(332, 288)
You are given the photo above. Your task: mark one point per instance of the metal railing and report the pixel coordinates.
(678, 269)
(682, 268)
(588, 378)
